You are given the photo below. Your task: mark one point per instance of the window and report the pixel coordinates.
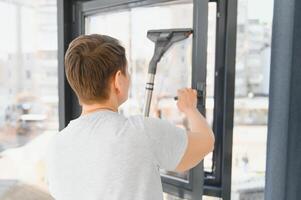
(251, 99)
(111, 17)
(29, 94)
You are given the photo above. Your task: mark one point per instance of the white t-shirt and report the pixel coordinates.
(104, 155)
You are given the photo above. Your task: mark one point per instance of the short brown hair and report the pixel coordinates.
(90, 63)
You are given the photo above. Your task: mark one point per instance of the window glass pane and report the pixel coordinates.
(254, 24)
(210, 75)
(174, 69)
(29, 95)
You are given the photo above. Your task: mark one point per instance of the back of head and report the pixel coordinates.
(90, 63)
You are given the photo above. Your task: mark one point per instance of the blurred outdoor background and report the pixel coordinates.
(29, 85)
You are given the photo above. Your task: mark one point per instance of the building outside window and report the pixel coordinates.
(29, 95)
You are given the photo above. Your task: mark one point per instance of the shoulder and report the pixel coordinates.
(136, 121)
(141, 122)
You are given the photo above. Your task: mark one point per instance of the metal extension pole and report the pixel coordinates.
(149, 93)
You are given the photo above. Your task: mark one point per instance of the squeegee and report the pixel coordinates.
(163, 40)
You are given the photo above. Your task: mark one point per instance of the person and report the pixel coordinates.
(104, 155)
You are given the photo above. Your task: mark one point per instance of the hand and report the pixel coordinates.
(187, 100)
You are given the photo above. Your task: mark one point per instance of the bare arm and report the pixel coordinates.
(200, 137)
(199, 125)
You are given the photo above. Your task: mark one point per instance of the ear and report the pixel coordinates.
(118, 81)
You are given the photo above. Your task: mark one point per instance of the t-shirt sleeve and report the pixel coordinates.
(167, 142)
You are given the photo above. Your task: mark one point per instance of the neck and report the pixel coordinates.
(99, 106)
